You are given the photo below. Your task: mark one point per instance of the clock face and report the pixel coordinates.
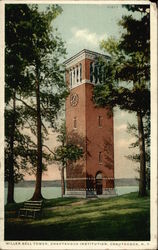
(74, 98)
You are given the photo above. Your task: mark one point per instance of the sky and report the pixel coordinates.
(83, 26)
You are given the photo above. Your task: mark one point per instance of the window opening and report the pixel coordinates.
(91, 72)
(100, 118)
(100, 157)
(73, 75)
(80, 72)
(75, 122)
(70, 78)
(96, 73)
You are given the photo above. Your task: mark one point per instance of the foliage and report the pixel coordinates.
(135, 94)
(48, 88)
(67, 151)
(19, 148)
(133, 130)
(130, 64)
(127, 84)
(46, 50)
(24, 157)
(34, 74)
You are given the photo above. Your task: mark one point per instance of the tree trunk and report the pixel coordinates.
(62, 182)
(37, 194)
(142, 181)
(10, 196)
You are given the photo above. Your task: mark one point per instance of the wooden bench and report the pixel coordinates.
(31, 209)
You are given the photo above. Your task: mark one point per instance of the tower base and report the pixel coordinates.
(90, 193)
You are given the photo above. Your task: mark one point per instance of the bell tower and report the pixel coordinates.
(90, 127)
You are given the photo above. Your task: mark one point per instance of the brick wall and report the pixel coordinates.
(90, 136)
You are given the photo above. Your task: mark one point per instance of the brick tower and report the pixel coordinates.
(90, 127)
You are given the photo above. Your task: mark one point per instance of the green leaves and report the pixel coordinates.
(137, 34)
(66, 153)
(127, 84)
(68, 150)
(32, 55)
(111, 46)
(128, 72)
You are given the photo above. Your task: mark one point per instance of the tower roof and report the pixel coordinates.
(83, 54)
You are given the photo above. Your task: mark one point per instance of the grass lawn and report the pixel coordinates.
(125, 217)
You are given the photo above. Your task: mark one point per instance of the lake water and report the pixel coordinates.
(25, 193)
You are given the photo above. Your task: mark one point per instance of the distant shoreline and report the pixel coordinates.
(57, 183)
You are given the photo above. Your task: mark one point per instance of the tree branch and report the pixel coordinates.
(48, 149)
(45, 129)
(26, 104)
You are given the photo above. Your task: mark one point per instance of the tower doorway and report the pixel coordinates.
(99, 183)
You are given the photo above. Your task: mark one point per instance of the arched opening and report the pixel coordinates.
(99, 183)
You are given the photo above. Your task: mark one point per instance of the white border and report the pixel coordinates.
(77, 1)
(154, 82)
(152, 244)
